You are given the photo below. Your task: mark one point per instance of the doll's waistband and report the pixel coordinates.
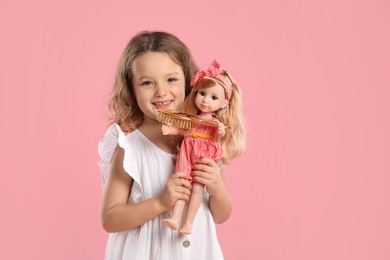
(199, 135)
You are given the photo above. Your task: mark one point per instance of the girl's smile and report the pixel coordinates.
(158, 82)
(162, 104)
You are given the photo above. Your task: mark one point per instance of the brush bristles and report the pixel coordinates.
(181, 120)
(181, 123)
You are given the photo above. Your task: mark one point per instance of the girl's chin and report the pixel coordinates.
(150, 118)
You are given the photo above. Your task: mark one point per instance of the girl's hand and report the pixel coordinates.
(177, 188)
(206, 172)
(221, 130)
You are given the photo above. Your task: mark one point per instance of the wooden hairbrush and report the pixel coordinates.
(174, 118)
(181, 120)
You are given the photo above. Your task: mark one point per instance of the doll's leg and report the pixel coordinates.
(177, 211)
(193, 206)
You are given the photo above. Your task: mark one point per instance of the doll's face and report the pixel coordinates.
(211, 99)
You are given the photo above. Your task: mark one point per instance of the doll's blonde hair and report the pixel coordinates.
(123, 105)
(234, 142)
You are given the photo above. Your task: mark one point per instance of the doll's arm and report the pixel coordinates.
(221, 130)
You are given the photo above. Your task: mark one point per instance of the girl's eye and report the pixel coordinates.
(201, 93)
(214, 97)
(146, 83)
(170, 80)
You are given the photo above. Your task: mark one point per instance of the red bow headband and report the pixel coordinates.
(214, 71)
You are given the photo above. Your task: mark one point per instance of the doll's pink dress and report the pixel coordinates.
(199, 142)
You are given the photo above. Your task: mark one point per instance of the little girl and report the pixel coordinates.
(137, 160)
(215, 97)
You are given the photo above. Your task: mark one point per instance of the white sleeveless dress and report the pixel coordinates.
(150, 168)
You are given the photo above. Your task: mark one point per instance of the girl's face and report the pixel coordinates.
(211, 99)
(158, 82)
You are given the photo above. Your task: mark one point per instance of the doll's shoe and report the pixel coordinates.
(171, 223)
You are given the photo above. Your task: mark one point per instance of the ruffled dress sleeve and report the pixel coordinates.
(115, 136)
(131, 162)
(106, 148)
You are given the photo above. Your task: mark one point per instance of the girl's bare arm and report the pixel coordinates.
(118, 215)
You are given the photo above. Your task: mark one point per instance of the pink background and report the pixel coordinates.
(315, 183)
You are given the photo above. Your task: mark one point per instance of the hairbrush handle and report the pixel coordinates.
(205, 121)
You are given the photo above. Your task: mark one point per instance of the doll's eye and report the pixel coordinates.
(214, 97)
(202, 93)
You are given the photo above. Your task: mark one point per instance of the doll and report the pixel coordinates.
(216, 102)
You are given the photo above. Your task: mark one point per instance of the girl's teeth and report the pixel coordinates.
(162, 103)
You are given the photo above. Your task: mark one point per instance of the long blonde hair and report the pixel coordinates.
(123, 105)
(234, 142)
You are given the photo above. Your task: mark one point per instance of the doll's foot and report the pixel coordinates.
(171, 223)
(187, 229)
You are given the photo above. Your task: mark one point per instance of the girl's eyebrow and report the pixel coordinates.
(173, 74)
(166, 75)
(143, 77)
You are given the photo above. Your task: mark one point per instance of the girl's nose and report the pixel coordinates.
(161, 90)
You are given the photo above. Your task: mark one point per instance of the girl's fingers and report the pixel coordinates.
(188, 185)
(185, 183)
(201, 174)
(180, 175)
(202, 181)
(184, 197)
(184, 191)
(181, 179)
(207, 161)
(204, 168)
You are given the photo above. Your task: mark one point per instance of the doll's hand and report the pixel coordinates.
(165, 129)
(170, 130)
(177, 187)
(221, 130)
(206, 172)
